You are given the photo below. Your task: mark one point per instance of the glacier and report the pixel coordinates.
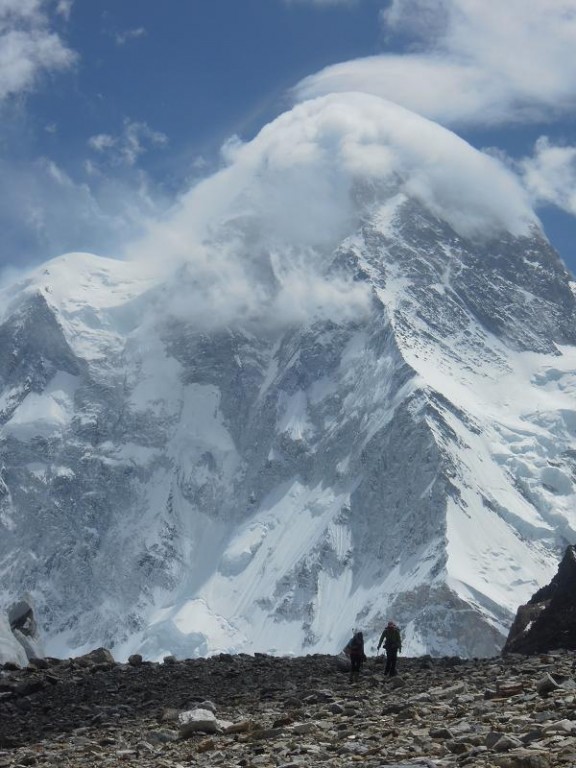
(336, 387)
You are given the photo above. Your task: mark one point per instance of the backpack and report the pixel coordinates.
(356, 645)
(392, 637)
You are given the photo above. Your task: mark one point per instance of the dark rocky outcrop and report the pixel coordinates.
(548, 620)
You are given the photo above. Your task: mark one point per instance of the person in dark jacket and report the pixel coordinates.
(392, 642)
(355, 650)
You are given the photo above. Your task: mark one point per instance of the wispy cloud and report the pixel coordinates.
(45, 211)
(127, 147)
(470, 62)
(550, 175)
(130, 34)
(29, 45)
(64, 8)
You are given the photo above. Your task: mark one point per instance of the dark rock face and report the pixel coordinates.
(33, 348)
(548, 620)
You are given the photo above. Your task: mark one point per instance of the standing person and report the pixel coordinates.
(355, 650)
(392, 642)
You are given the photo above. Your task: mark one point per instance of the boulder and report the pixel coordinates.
(197, 720)
(96, 657)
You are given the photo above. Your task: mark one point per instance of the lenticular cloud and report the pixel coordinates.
(266, 224)
(463, 48)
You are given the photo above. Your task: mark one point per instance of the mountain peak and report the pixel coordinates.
(350, 398)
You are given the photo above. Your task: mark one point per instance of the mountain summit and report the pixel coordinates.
(336, 388)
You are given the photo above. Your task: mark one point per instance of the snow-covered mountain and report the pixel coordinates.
(344, 394)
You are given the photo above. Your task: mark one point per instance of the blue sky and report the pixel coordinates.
(112, 109)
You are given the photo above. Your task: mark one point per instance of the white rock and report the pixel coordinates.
(195, 720)
(561, 726)
(10, 649)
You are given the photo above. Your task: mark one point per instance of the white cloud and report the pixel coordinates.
(224, 286)
(550, 175)
(130, 34)
(28, 46)
(101, 142)
(64, 8)
(257, 238)
(134, 141)
(474, 61)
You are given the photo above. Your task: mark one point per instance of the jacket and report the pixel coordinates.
(391, 639)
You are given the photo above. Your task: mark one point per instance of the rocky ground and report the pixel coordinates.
(265, 712)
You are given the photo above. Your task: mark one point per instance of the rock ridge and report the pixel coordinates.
(548, 620)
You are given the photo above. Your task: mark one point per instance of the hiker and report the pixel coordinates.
(355, 650)
(392, 642)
